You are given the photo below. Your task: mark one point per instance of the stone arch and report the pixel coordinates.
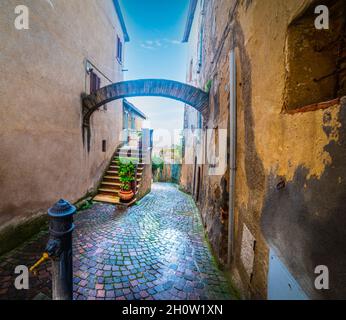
(188, 94)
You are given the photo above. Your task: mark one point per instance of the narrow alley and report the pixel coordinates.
(153, 250)
(173, 150)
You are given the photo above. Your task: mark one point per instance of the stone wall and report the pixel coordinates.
(145, 187)
(290, 177)
(43, 76)
(147, 178)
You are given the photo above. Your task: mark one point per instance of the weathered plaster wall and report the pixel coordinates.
(303, 221)
(297, 148)
(146, 181)
(145, 186)
(43, 76)
(192, 147)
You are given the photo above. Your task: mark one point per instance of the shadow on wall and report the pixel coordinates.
(305, 220)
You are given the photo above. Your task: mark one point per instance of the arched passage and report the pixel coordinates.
(188, 94)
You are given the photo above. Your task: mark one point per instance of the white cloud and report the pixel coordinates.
(158, 43)
(149, 47)
(172, 41)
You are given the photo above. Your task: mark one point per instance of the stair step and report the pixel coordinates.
(111, 183)
(110, 186)
(113, 191)
(128, 203)
(132, 153)
(107, 198)
(104, 197)
(114, 184)
(127, 158)
(111, 177)
(116, 166)
(112, 172)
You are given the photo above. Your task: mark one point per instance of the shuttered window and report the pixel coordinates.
(95, 82)
(119, 50)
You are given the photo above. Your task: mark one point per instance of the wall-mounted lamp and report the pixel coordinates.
(88, 67)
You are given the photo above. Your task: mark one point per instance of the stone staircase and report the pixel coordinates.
(110, 184)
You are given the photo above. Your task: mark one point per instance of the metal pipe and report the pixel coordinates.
(233, 157)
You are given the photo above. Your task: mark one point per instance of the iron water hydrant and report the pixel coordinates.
(59, 249)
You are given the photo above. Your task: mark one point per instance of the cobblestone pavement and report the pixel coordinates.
(25, 254)
(154, 250)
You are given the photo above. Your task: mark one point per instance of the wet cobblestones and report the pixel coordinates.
(154, 250)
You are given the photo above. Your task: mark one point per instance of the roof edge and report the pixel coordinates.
(189, 21)
(135, 109)
(121, 20)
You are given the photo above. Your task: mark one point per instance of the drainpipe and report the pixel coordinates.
(233, 156)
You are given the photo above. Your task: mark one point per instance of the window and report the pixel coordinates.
(95, 82)
(200, 51)
(190, 71)
(200, 120)
(315, 59)
(198, 184)
(119, 50)
(216, 141)
(104, 145)
(133, 122)
(126, 120)
(186, 117)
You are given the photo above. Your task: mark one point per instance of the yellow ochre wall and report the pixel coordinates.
(304, 221)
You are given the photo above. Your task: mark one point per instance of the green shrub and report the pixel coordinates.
(126, 175)
(208, 85)
(157, 163)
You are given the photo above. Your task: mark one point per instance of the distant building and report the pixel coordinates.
(132, 117)
(132, 122)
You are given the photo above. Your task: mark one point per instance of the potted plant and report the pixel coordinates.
(126, 176)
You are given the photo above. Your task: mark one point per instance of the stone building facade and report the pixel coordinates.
(133, 120)
(132, 117)
(289, 93)
(71, 48)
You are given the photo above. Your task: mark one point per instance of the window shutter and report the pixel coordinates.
(92, 80)
(118, 50)
(98, 86)
(121, 50)
(95, 82)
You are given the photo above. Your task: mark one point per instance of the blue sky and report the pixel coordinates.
(155, 50)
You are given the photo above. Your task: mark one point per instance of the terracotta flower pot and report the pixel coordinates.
(126, 195)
